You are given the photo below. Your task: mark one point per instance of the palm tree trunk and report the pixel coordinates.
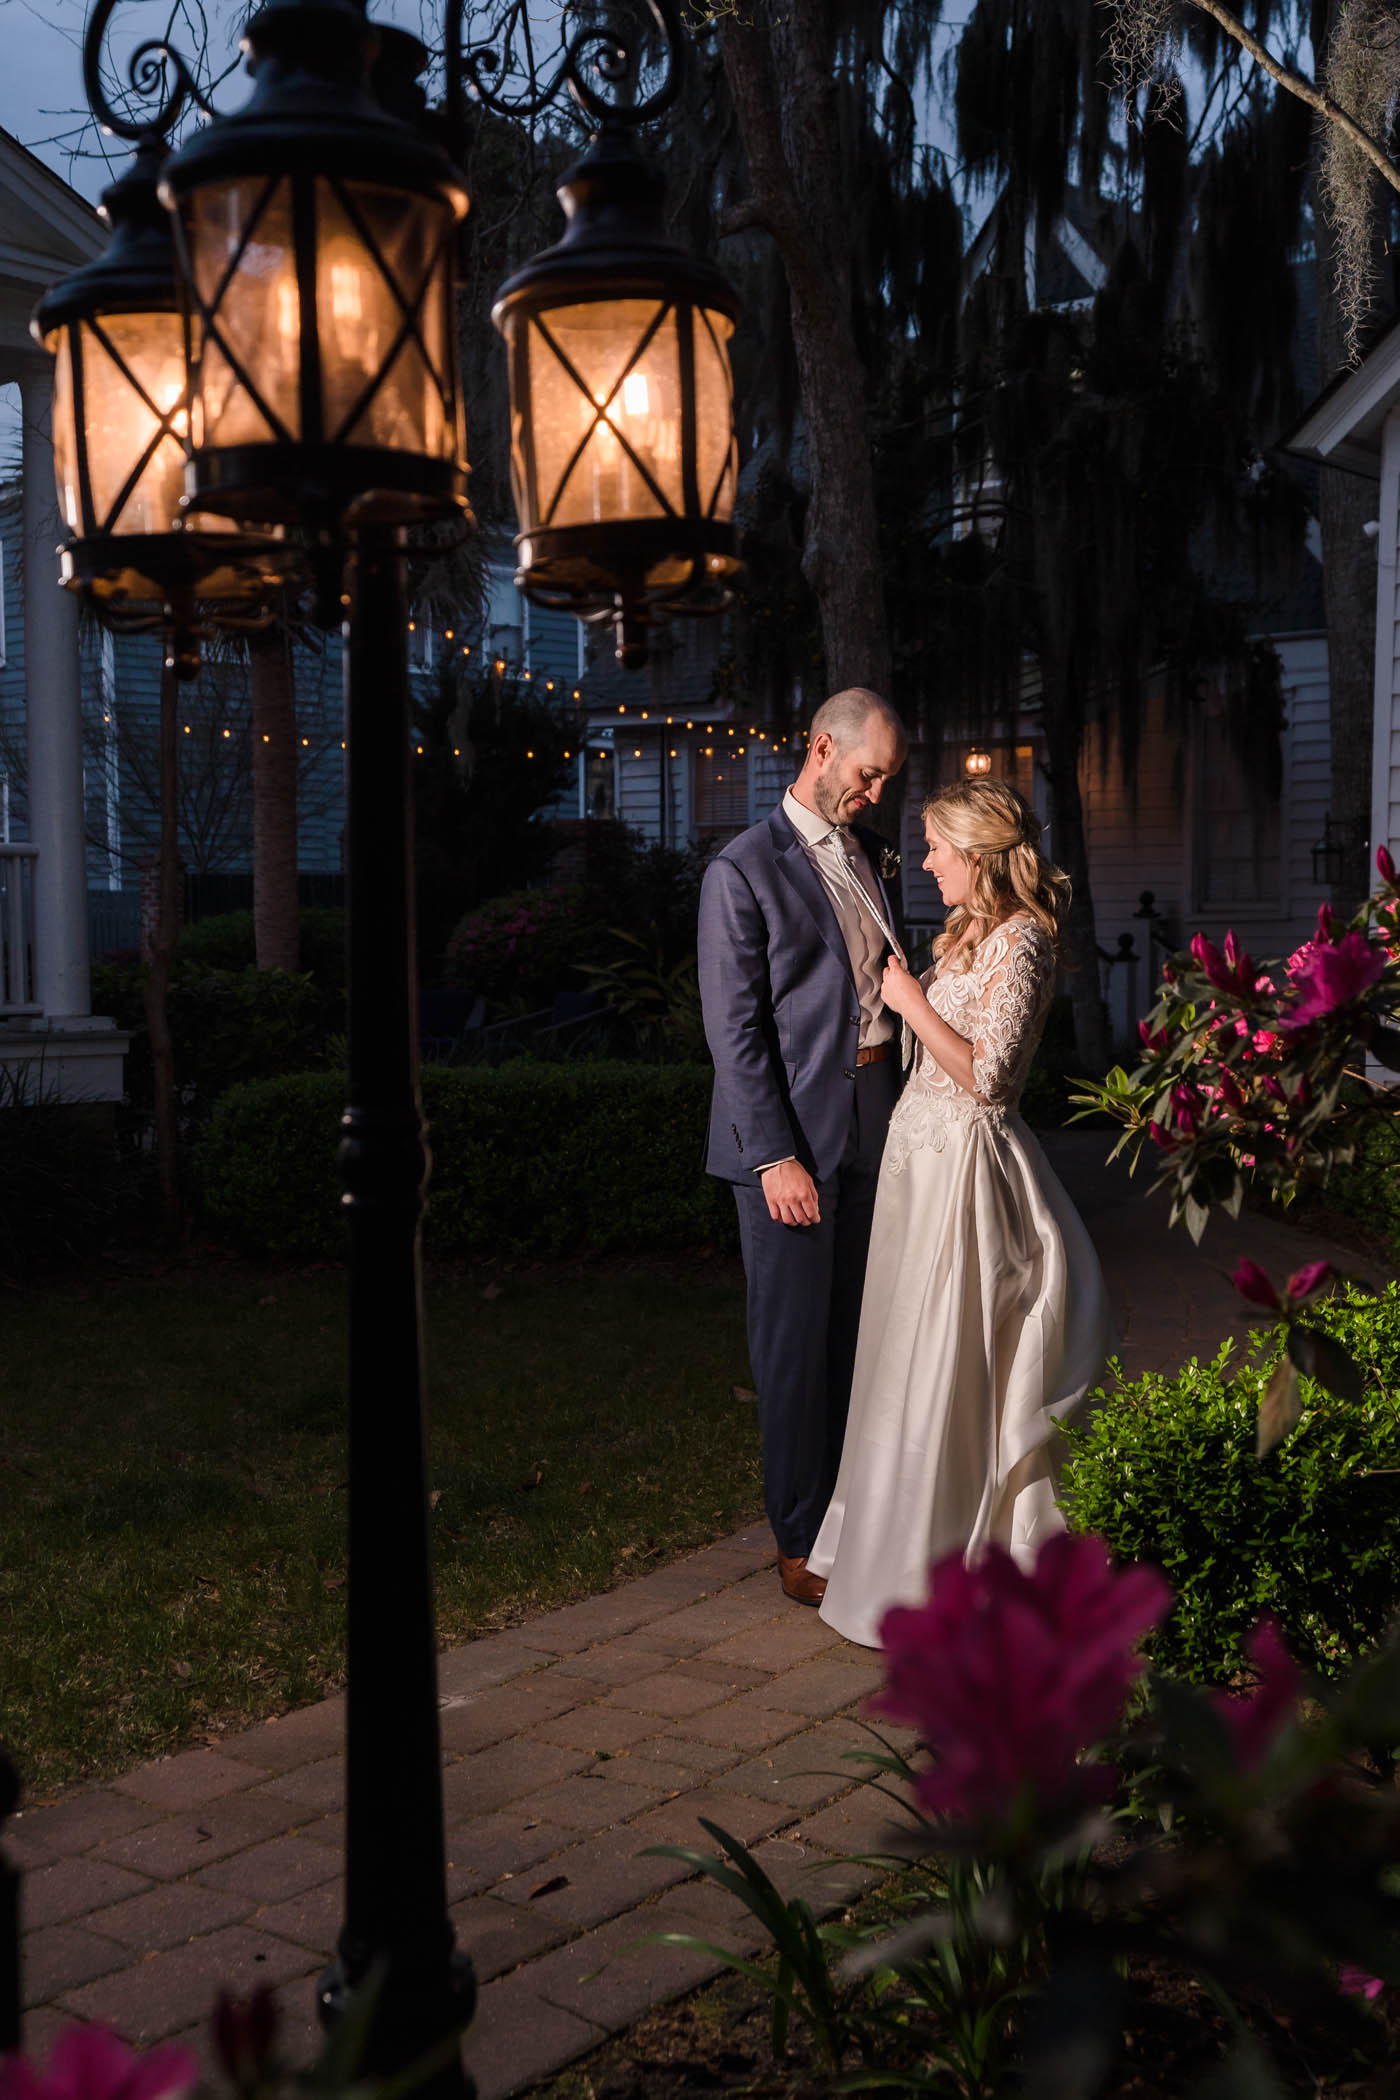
(276, 934)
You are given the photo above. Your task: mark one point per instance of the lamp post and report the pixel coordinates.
(315, 231)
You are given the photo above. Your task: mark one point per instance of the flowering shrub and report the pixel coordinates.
(1243, 1072)
(519, 949)
(92, 2063)
(1252, 1854)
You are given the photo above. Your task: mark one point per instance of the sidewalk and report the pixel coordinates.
(570, 1743)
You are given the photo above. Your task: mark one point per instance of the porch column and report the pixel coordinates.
(53, 715)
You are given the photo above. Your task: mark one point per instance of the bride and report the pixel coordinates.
(984, 1319)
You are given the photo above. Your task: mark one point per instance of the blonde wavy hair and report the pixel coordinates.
(988, 820)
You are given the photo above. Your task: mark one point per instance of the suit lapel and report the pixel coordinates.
(804, 879)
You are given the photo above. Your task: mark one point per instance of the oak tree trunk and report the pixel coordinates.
(276, 933)
(1070, 851)
(779, 63)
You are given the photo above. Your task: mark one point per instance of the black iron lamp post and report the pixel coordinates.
(315, 231)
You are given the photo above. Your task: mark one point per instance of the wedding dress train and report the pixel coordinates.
(984, 1320)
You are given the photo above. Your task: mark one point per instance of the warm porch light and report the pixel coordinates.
(978, 763)
(316, 234)
(623, 456)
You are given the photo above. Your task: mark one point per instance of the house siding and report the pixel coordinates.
(1385, 779)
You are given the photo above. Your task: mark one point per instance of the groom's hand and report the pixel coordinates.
(791, 1194)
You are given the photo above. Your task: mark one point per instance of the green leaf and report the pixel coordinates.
(1281, 1408)
(1318, 1356)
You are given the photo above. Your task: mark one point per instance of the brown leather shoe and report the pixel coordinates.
(797, 1583)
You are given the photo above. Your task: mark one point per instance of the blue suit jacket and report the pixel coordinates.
(781, 1013)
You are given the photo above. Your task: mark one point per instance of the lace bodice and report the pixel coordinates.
(998, 1003)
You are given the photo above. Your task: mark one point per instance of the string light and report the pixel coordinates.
(549, 688)
(450, 633)
(266, 738)
(622, 710)
(568, 754)
(411, 627)
(306, 743)
(690, 725)
(636, 754)
(500, 665)
(644, 714)
(188, 731)
(577, 694)
(527, 675)
(529, 754)
(673, 752)
(228, 732)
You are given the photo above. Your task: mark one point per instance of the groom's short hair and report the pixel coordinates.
(845, 714)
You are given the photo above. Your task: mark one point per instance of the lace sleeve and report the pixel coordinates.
(1013, 998)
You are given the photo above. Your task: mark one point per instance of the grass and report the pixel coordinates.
(172, 1477)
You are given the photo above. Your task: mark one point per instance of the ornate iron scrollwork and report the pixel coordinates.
(593, 52)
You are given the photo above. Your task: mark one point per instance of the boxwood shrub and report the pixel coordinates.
(528, 1158)
(1165, 1471)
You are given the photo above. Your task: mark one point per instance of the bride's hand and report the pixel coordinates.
(901, 991)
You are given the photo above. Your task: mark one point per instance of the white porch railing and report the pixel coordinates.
(17, 875)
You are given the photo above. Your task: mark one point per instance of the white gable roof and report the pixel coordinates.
(1343, 426)
(46, 230)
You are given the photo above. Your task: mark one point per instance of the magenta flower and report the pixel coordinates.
(1163, 1139)
(1385, 866)
(1303, 1282)
(1330, 977)
(1010, 1675)
(1326, 926)
(1253, 1283)
(1257, 1719)
(1267, 1043)
(1232, 972)
(1355, 1983)
(92, 2063)
(1187, 1108)
(245, 2030)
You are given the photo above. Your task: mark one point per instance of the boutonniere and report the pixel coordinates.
(889, 863)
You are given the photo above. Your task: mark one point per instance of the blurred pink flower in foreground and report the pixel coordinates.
(1258, 1718)
(1009, 1675)
(1357, 1984)
(1329, 977)
(92, 2063)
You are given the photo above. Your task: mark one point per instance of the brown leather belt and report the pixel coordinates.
(874, 1053)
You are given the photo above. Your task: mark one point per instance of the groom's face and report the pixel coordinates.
(846, 782)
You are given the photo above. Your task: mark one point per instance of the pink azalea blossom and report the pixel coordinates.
(1257, 1719)
(1357, 1984)
(1267, 1043)
(1332, 977)
(1009, 1675)
(1385, 866)
(1161, 1138)
(1303, 1282)
(1187, 1108)
(1325, 926)
(1253, 1283)
(92, 2063)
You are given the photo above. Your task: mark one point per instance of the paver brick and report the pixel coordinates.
(596, 1727)
(496, 1658)
(611, 1662)
(59, 1957)
(678, 1822)
(86, 1819)
(319, 1785)
(651, 1773)
(168, 1915)
(171, 1990)
(584, 1625)
(828, 1684)
(470, 1721)
(803, 1771)
(743, 1725)
(862, 1822)
(490, 1778)
(485, 1849)
(677, 1746)
(730, 1677)
(186, 1781)
(781, 1645)
(297, 1738)
(177, 1845)
(499, 1936)
(312, 1918)
(518, 2038)
(614, 1975)
(70, 1888)
(666, 1694)
(701, 1625)
(284, 1866)
(599, 1878)
(24, 1851)
(586, 1802)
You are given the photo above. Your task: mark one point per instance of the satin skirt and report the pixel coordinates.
(984, 1324)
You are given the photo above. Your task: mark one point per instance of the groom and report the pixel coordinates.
(793, 936)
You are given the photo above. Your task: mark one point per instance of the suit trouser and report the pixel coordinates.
(804, 1291)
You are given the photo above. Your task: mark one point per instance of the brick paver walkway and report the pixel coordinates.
(571, 1743)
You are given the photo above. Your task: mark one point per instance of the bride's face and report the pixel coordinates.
(950, 869)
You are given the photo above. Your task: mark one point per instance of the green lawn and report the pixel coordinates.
(172, 1476)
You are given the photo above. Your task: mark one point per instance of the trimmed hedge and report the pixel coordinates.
(1165, 1470)
(528, 1158)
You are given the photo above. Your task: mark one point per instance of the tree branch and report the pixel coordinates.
(743, 218)
(1306, 91)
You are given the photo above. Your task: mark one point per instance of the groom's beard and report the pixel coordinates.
(827, 799)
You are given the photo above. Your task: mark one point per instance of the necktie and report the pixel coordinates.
(843, 851)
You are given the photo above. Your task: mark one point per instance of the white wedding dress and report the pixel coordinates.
(984, 1320)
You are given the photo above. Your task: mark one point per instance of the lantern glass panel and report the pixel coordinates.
(607, 433)
(133, 371)
(258, 313)
(380, 276)
(716, 451)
